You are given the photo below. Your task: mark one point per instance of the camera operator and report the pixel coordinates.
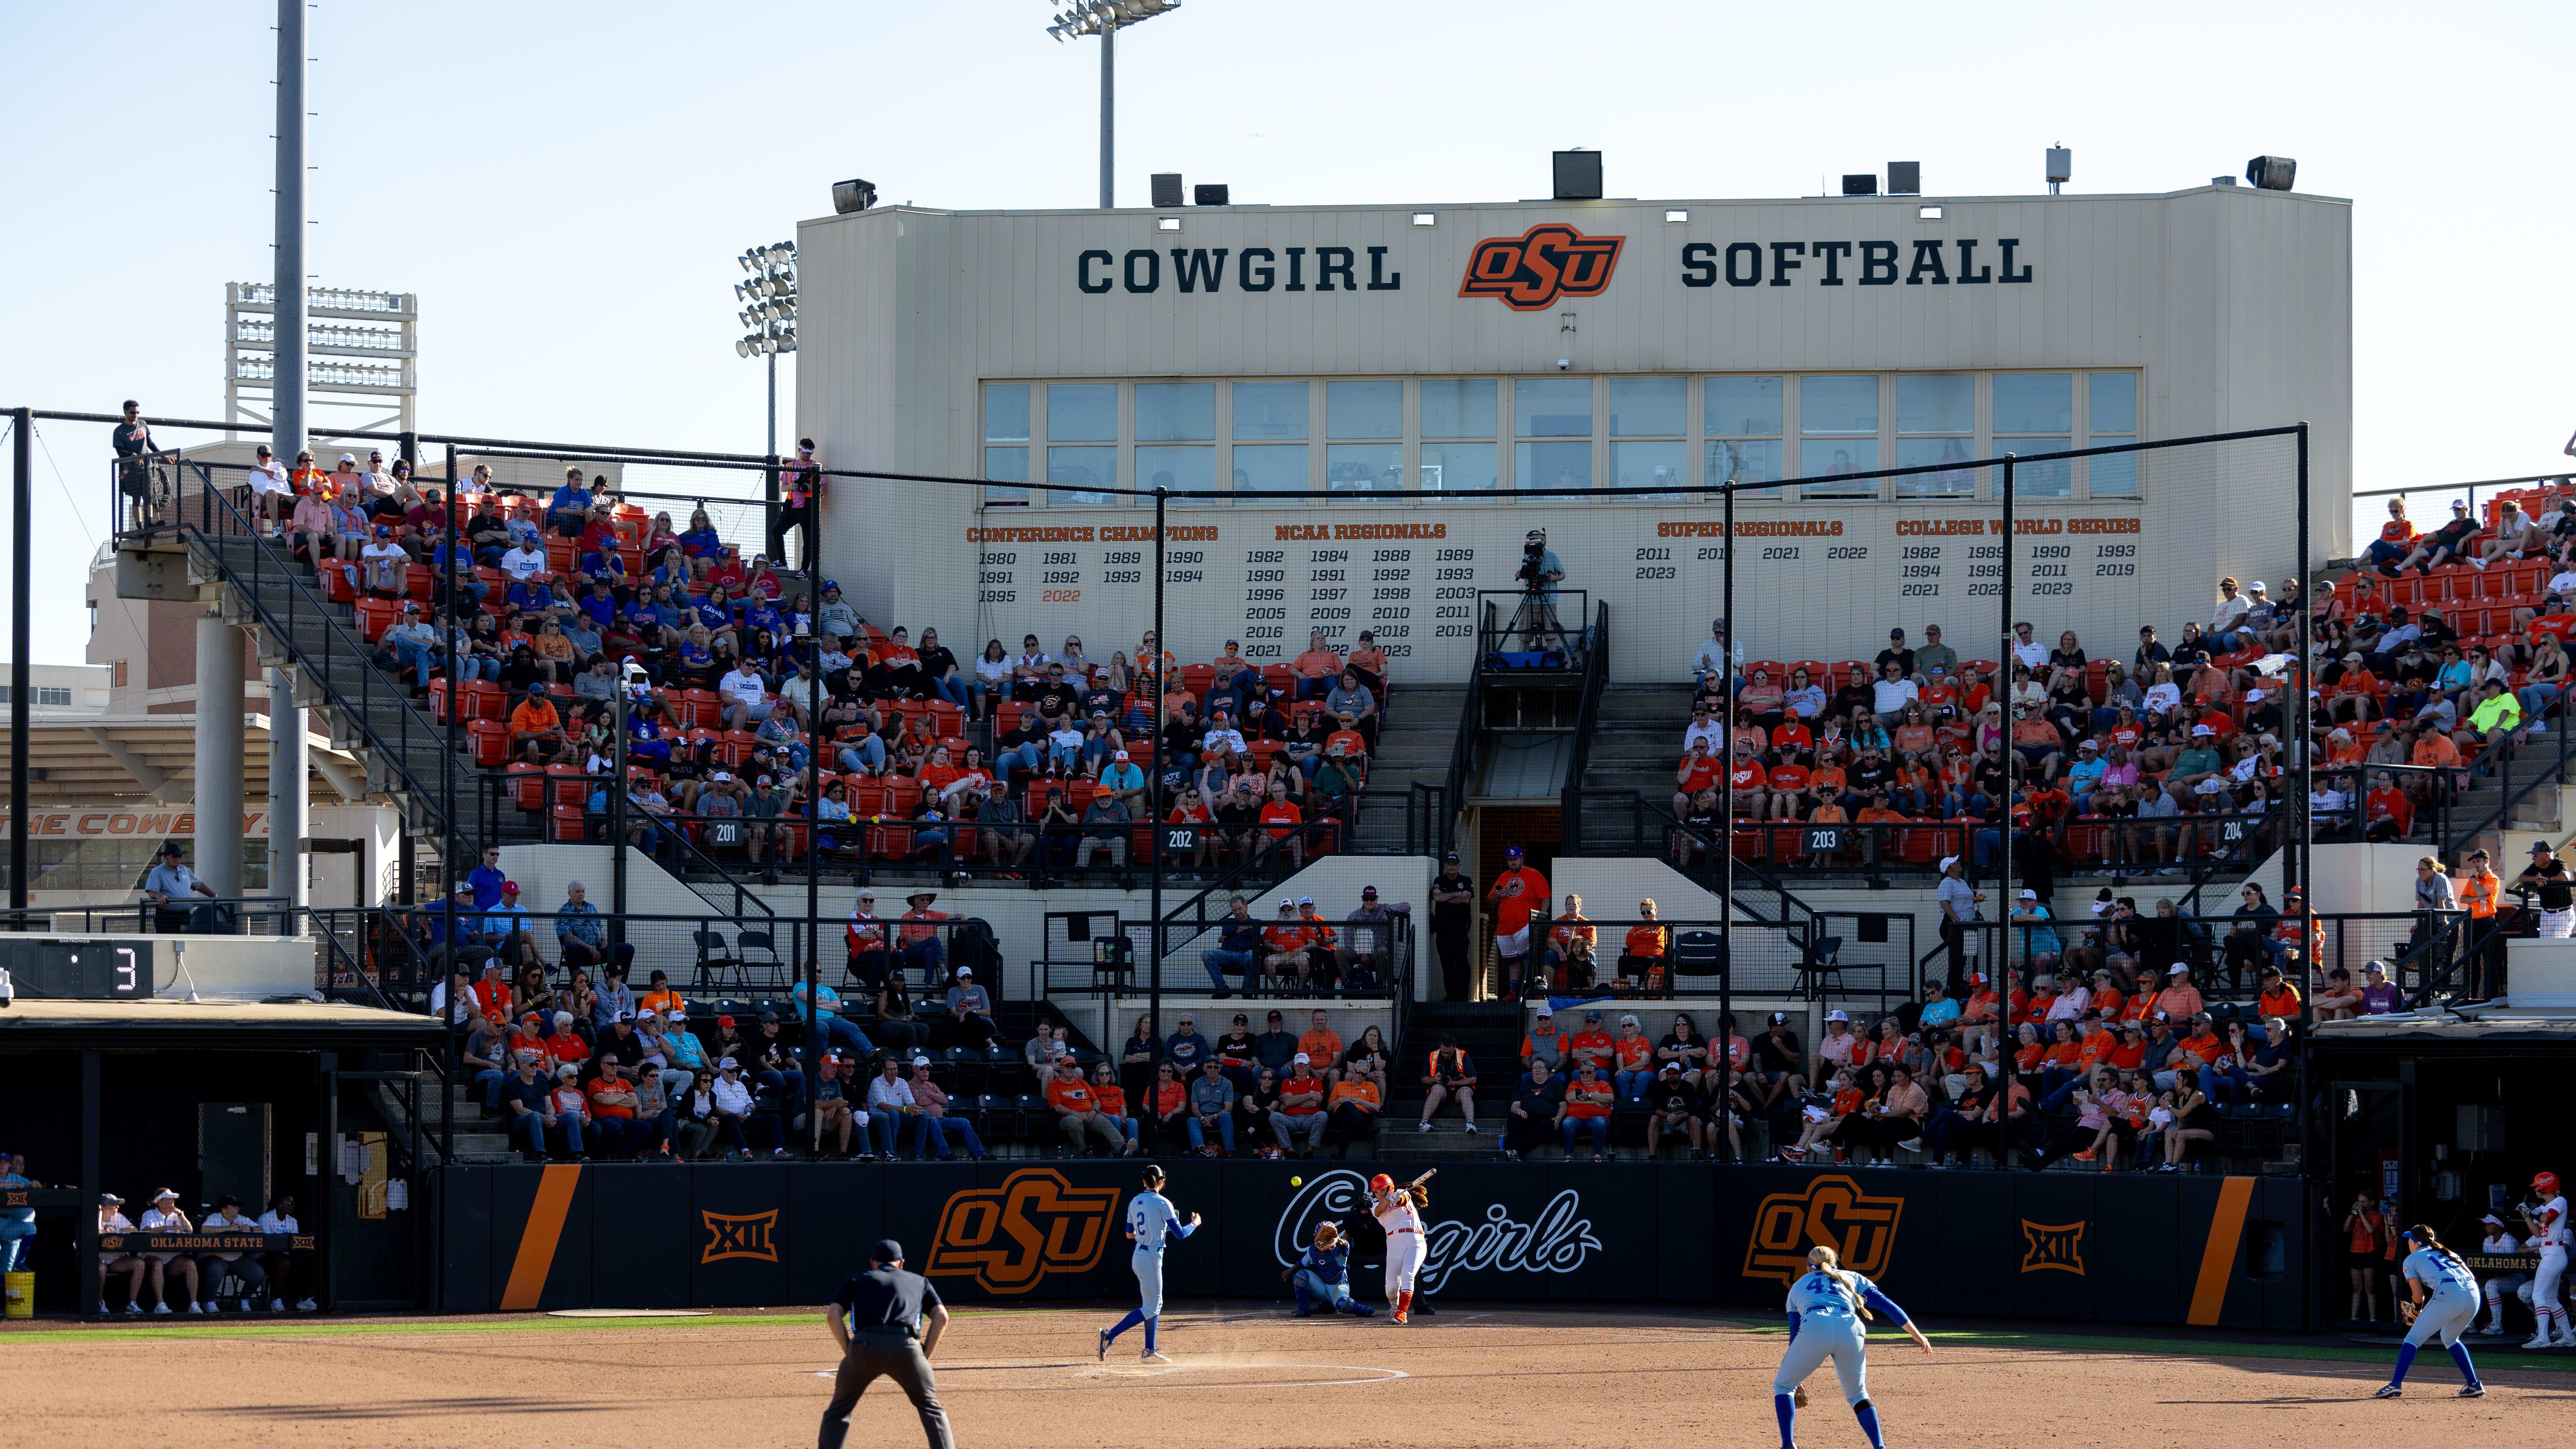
(1539, 574)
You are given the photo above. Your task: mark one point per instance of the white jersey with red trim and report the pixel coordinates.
(2553, 1235)
(1395, 1212)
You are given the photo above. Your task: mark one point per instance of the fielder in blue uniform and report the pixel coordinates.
(1826, 1309)
(2445, 1303)
(1153, 1224)
(1323, 1275)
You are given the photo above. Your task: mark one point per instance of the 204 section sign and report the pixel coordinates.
(1558, 1240)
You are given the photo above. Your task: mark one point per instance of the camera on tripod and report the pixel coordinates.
(1533, 570)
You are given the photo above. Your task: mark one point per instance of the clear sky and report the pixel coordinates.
(566, 183)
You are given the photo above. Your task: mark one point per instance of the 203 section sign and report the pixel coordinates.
(1558, 1240)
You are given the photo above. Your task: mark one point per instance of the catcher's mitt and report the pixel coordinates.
(2407, 1312)
(1801, 1398)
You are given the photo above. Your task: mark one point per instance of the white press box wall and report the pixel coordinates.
(2227, 309)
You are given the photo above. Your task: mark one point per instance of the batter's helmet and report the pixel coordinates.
(2546, 1184)
(1381, 1183)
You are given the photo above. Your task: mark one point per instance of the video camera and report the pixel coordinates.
(1532, 573)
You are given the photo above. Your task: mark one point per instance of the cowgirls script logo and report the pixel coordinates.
(1541, 265)
(1558, 1242)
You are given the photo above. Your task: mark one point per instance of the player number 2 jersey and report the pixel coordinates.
(1150, 1217)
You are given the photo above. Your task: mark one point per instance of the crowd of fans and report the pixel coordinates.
(530, 616)
(2137, 764)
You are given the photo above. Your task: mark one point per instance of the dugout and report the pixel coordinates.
(206, 1098)
(2445, 1116)
(1380, 400)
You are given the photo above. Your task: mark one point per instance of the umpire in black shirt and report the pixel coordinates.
(887, 1321)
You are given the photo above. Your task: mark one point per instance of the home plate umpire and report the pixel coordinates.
(886, 1321)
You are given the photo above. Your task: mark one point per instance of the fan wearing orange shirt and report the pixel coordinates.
(1793, 739)
(1697, 772)
(2390, 814)
(2279, 997)
(1787, 782)
(1750, 775)
(535, 728)
(2129, 1050)
(1515, 895)
(1291, 952)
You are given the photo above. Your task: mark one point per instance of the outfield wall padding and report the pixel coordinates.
(2126, 1248)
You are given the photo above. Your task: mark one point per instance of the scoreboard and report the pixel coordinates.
(1820, 584)
(83, 969)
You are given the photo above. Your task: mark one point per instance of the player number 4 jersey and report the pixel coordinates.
(1395, 1212)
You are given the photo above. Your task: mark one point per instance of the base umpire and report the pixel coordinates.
(886, 1321)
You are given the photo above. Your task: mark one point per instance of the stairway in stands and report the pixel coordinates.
(1636, 742)
(1489, 1032)
(1413, 748)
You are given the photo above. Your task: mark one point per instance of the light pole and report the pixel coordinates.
(1105, 18)
(768, 296)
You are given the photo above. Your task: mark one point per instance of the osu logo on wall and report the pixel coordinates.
(1834, 1212)
(753, 1236)
(1548, 262)
(1010, 1237)
(2052, 1247)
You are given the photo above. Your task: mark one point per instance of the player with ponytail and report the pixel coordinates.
(2445, 1303)
(1828, 1308)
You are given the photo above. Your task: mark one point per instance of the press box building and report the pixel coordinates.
(1425, 367)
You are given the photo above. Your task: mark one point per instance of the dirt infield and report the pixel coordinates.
(1240, 1380)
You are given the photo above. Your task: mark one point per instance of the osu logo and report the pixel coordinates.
(1833, 1212)
(754, 1237)
(1007, 1238)
(2052, 1247)
(1549, 261)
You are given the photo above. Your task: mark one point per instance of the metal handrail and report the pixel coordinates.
(1596, 677)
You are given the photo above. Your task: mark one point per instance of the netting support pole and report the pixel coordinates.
(1726, 824)
(2297, 871)
(22, 556)
(452, 638)
(1154, 786)
(2001, 971)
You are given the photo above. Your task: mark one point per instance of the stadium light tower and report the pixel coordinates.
(768, 296)
(1105, 18)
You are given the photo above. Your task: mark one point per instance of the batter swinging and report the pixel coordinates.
(1398, 1210)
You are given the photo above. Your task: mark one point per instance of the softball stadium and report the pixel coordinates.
(1317, 822)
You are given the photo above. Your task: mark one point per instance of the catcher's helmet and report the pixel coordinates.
(1381, 1183)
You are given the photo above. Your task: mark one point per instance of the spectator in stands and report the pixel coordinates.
(1106, 824)
(1778, 1068)
(168, 886)
(920, 942)
(1354, 1104)
(1516, 895)
(1718, 656)
(1537, 1109)
(1586, 1110)
(1300, 1107)
(936, 1128)
(1078, 1114)
(1167, 1106)
(1449, 1074)
(970, 1012)
(1367, 951)
(1211, 1110)
(1321, 1043)
(1238, 948)
(891, 1109)
(530, 1102)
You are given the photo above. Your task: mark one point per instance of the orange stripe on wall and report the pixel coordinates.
(545, 1230)
(2226, 1234)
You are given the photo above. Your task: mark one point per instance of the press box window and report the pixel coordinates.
(1741, 417)
(1459, 418)
(1552, 408)
(1176, 435)
(2035, 413)
(1649, 421)
(1838, 435)
(2111, 417)
(1936, 423)
(1006, 441)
